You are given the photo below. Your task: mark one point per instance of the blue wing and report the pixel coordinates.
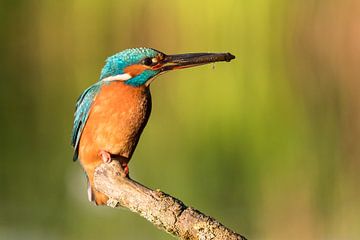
(82, 110)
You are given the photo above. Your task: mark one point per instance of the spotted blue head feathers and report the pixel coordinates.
(134, 66)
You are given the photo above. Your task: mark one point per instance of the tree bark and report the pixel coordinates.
(159, 208)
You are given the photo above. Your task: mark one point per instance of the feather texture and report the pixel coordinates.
(81, 115)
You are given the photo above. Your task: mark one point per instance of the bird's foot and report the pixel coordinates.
(125, 167)
(105, 156)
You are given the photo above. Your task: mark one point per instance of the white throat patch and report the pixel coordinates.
(120, 77)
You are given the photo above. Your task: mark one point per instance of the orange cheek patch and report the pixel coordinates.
(135, 69)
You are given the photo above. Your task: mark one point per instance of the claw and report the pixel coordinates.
(105, 156)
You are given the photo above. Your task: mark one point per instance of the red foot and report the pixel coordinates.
(105, 156)
(126, 168)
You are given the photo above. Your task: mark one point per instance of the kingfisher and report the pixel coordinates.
(111, 114)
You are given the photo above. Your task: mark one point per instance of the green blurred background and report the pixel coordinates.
(267, 144)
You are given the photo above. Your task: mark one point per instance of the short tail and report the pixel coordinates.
(90, 192)
(93, 195)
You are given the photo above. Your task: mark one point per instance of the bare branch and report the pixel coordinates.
(159, 208)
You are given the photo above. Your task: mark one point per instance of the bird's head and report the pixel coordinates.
(138, 66)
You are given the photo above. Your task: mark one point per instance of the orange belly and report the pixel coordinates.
(117, 117)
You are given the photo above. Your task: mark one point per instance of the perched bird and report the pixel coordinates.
(111, 114)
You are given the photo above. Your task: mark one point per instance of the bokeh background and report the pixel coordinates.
(268, 144)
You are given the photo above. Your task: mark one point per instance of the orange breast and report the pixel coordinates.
(117, 117)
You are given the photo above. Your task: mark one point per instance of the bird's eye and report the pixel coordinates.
(147, 61)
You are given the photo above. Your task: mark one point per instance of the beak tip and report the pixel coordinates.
(229, 57)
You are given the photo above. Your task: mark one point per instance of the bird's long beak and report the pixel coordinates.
(178, 61)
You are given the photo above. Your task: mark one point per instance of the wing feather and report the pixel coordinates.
(82, 110)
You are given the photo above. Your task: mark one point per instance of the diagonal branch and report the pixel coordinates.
(161, 209)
